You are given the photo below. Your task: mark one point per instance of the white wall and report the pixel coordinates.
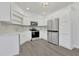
(65, 30)
(75, 24)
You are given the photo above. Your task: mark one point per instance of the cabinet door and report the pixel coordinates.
(9, 44)
(43, 34)
(42, 22)
(4, 11)
(17, 14)
(25, 36)
(26, 20)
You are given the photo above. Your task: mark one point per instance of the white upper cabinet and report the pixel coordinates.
(42, 22)
(11, 12)
(4, 11)
(17, 14)
(26, 20)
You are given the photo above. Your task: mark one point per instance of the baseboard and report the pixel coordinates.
(66, 47)
(76, 46)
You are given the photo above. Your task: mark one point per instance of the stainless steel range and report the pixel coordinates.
(34, 31)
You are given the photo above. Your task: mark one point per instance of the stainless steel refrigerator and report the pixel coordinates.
(53, 31)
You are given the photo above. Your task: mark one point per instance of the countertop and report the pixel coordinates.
(9, 33)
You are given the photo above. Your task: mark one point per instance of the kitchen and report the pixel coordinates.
(23, 24)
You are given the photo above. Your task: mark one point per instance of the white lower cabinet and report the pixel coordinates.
(43, 34)
(9, 44)
(25, 36)
(17, 14)
(11, 12)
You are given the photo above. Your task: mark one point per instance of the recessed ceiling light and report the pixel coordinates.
(27, 8)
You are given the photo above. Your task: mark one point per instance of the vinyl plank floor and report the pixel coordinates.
(41, 47)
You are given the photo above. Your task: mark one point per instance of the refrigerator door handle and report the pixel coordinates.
(52, 31)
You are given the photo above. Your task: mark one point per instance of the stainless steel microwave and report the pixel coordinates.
(34, 23)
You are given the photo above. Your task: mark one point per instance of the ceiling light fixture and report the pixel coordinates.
(45, 4)
(27, 8)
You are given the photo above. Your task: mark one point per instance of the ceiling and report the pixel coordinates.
(37, 8)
